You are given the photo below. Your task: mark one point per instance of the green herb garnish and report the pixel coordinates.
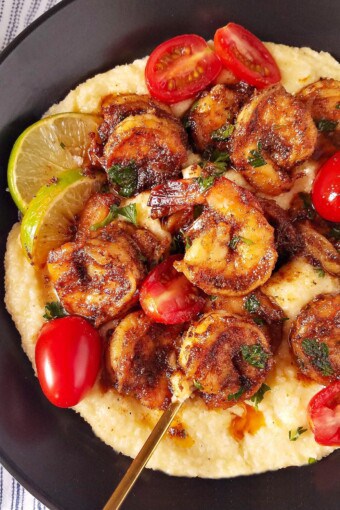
(319, 271)
(126, 177)
(223, 133)
(318, 352)
(54, 310)
(62, 145)
(312, 460)
(256, 159)
(219, 159)
(293, 436)
(198, 385)
(129, 212)
(236, 239)
(205, 182)
(212, 298)
(259, 395)
(254, 355)
(237, 395)
(258, 321)
(325, 125)
(252, 304)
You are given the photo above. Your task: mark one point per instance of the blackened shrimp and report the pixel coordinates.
(226, 357)
(274, 132)
(98, 275)
(212, 117)
(140, 356)
(315, 339)
(230, 247)
(153, 147)
(116, 107)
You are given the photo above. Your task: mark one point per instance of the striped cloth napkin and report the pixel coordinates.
(15, 15)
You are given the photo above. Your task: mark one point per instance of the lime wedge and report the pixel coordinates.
(47, 223)
(45, 149)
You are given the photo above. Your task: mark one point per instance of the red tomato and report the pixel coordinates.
(324, 415)
(168, 297)
(180, 67)
(326, 189)
(246, 56)
(68, 357)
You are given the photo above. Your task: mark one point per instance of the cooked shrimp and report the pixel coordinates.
(98, 278)
(319, 248)
(323, 99)
(116, 107)
(258, 307)
(153, 146)
(212, 116)
(230, 246)
(139, 359)
(274, 132)
(315, 339)
(227, 357)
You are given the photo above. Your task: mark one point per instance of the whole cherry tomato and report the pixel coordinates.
(180, 67)
(324, 415)
(68, 357)
(246, 56)
(326, 189)
(168, 297)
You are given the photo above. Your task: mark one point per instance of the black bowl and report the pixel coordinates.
(52, 452)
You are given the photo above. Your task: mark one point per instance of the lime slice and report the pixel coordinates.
(45, 149)
(48, 221)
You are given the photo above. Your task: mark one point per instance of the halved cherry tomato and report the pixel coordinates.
(326, 189)
(68, 357)
(168, 297)
(180, 67)
(324, 415)
(246, 56)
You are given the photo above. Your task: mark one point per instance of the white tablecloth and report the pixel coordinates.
(15, 15)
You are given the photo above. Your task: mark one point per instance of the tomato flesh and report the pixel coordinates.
(326, 189)
(324, 415)
(168, 297)
(180, 68)
(246, 56)
(68, 358)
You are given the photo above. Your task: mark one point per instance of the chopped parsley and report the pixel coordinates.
(129, 212)
(236, 239)
(205, 182)
(198, 385)
(256, 159)
(212, 298)
(187, 243)
(258, 321)
(325, 125)
(54, 310)
(219, 159)
(293, 436)
(259, 395)
(254, 355)
(319, 354)
(319, 271)
(62, 145)
(252, 304)
(312, 460)
(126, 177)
(237, 395)
(223, 133)
(307, 204)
